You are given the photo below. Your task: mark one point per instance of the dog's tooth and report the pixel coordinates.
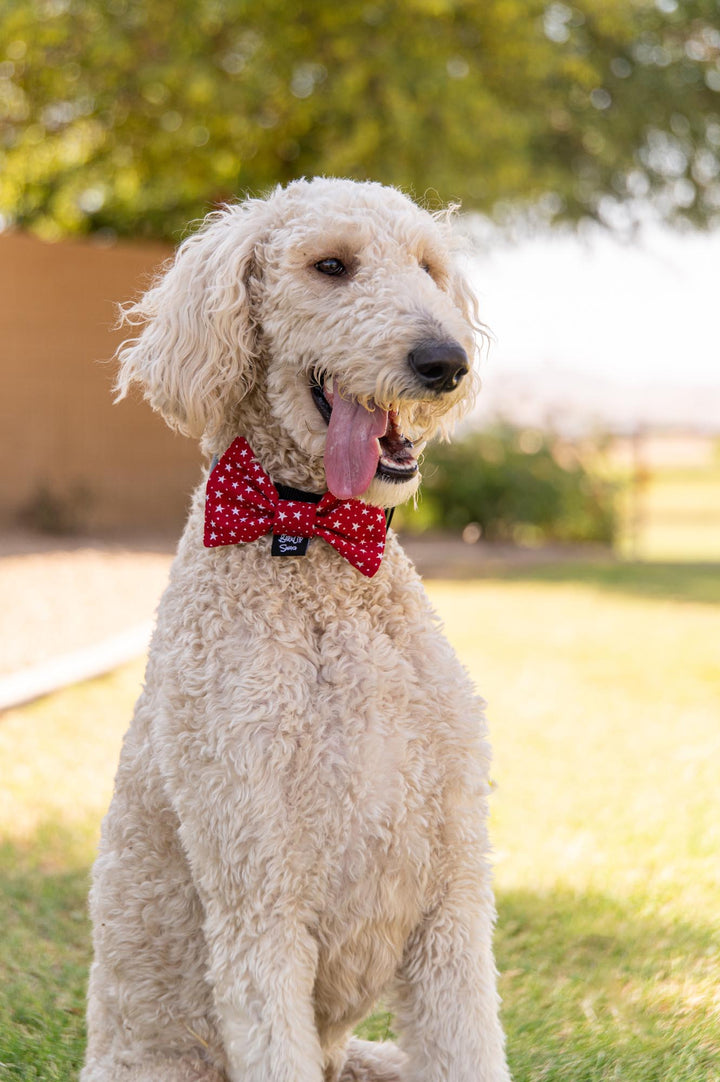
(395, 465)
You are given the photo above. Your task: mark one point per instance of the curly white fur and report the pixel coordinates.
(299, 818)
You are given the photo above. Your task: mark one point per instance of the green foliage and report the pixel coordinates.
(137, 115)
(516, 485)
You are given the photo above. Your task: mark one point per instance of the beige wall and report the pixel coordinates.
(63, 444)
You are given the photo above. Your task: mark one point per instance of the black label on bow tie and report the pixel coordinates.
(284, 544)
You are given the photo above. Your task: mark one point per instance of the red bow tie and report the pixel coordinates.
(243, 504)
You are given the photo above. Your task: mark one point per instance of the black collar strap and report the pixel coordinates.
(286, 492)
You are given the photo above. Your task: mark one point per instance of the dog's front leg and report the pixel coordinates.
(447, 999)
(263, 982)
(262, 958)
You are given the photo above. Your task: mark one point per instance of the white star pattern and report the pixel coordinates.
(245, 486)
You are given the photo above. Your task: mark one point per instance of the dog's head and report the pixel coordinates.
(329, 324)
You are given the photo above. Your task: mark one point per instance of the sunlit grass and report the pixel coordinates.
(675, 514)
(604, 713)
(603, 685)
(58, 758)
(604, 706)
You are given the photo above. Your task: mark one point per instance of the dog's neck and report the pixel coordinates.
(280, 457)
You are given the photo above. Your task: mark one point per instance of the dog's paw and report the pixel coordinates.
(372, 1061)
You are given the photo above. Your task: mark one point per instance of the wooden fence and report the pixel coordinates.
(70, 458)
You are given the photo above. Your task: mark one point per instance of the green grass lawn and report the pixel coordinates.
(604, 705)
(603, 684)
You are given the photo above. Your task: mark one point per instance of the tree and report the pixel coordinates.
(138, 115)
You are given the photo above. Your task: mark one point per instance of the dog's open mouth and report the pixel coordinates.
(361, 443)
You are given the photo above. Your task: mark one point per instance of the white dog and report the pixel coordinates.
(299, 818)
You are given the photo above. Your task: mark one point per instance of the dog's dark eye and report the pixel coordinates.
(333, 267)
(426, 267)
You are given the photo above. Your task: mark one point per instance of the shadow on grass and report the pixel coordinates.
(44, 959)
(593, 989)
(448, 558)
(662, 581)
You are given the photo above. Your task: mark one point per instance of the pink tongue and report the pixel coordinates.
(351, 449)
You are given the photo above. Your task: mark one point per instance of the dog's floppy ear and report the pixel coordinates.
(458, 287)
(195, 355)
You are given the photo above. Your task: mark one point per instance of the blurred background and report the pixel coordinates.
(579, 506)
(583, 143)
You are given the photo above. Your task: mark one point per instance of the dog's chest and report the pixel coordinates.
(349, 732)
(374, 869)
(333, 705)
(365, 759)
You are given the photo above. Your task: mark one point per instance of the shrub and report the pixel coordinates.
(52, 512)
(516, 485)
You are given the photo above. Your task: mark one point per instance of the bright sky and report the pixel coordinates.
(635, 313)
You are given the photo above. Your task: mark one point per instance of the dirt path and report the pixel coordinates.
(65, 598)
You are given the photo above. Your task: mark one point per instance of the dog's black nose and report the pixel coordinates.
(439, 365)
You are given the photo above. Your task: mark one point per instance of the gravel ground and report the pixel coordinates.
(59, 596)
